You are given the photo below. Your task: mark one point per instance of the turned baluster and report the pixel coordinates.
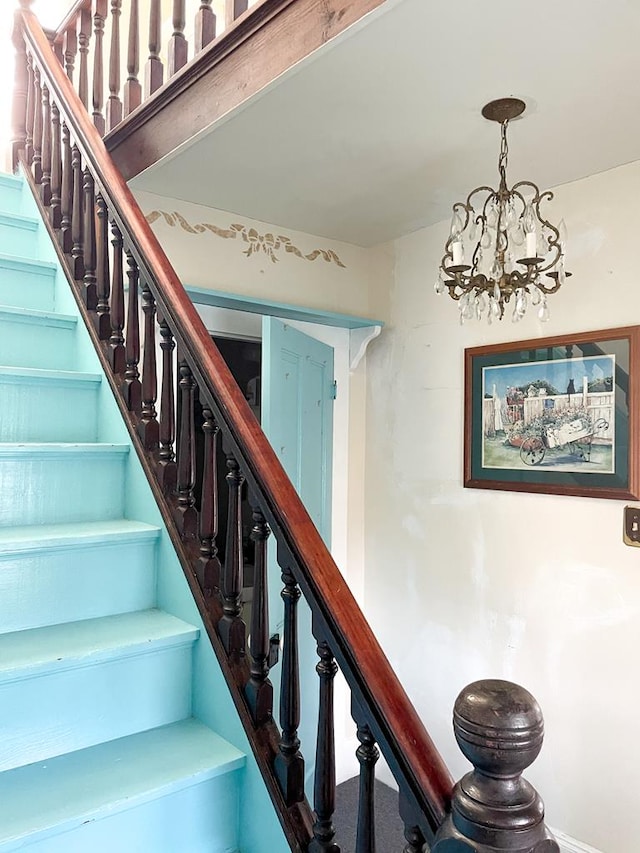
(186, 516)
(178, 47)
(205, 28)
(102, 318)
(70, 49)
(57, 49)
(132, 88)
(233, 9)
(36, 161)
(77, 216)
(55, 210)
(231, 627)
(20, 105)
(84, 37)
(289, 763)
(148, 427)
(131, 388)
(45, 186)
(166, 457)
(90, 296)
(114, 104)
(259, 690)
(412, 832)
(367, 754)
(208, 567)
(154, 70)
(30, 111)
(415, 840)
(66, 201)
(99, 17)
(324, 791)
(499, 728)
(116, 341)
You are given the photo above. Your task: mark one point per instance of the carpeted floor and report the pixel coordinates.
(389, 829)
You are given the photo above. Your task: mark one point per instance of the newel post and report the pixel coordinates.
(499, 728)
(20, 88)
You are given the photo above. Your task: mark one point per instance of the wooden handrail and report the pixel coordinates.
(69, 19)
(377, 691)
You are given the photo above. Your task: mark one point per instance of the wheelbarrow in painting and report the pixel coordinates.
(576, 437)
(554, 415)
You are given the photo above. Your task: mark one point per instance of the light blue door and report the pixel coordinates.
(297, 413)
(297, 417)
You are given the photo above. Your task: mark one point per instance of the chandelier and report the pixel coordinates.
(500, 246)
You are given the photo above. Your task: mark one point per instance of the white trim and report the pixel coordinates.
(571, 845)
(359, 341)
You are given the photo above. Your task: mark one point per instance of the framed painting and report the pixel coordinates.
(556, 415)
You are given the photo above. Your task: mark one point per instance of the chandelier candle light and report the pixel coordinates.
(512, 249)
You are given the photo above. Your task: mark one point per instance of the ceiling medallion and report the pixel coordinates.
(500, 245)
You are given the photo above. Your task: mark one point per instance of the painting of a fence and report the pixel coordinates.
(556, 415)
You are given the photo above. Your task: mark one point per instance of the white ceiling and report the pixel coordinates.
(378, 133)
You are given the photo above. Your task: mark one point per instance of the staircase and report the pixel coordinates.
(99, 748)
(125, 644)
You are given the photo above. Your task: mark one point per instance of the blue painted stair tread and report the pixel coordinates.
(18, 234)
(51, 536)
(30, 338)
(47, 483)
(67, 687)
(11, 200)
(26, 393)
(26, 654)
(26, 283)
(55, 573)
(89, 787)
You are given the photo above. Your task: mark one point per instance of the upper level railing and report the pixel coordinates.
(102, 237)
(100, 44)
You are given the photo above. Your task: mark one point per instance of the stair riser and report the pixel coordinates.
(65, 584)
(48, 410)
(15, 239)
(36, 344)
(198, 819)
(11, 199)
(48, 715)
(78, 487)
(23, 287)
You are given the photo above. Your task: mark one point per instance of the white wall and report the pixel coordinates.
(465, 584)
(202, 258)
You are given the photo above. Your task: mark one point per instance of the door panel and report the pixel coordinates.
(297, 413)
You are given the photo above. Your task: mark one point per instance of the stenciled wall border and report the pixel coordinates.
(270, 244)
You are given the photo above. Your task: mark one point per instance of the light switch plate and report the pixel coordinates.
(631, 526)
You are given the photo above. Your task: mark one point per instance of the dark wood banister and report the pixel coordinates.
(404, 740)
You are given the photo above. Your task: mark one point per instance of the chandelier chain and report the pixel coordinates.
(504, 153)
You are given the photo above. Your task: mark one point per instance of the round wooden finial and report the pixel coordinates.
(504, 109)
(499, 728)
